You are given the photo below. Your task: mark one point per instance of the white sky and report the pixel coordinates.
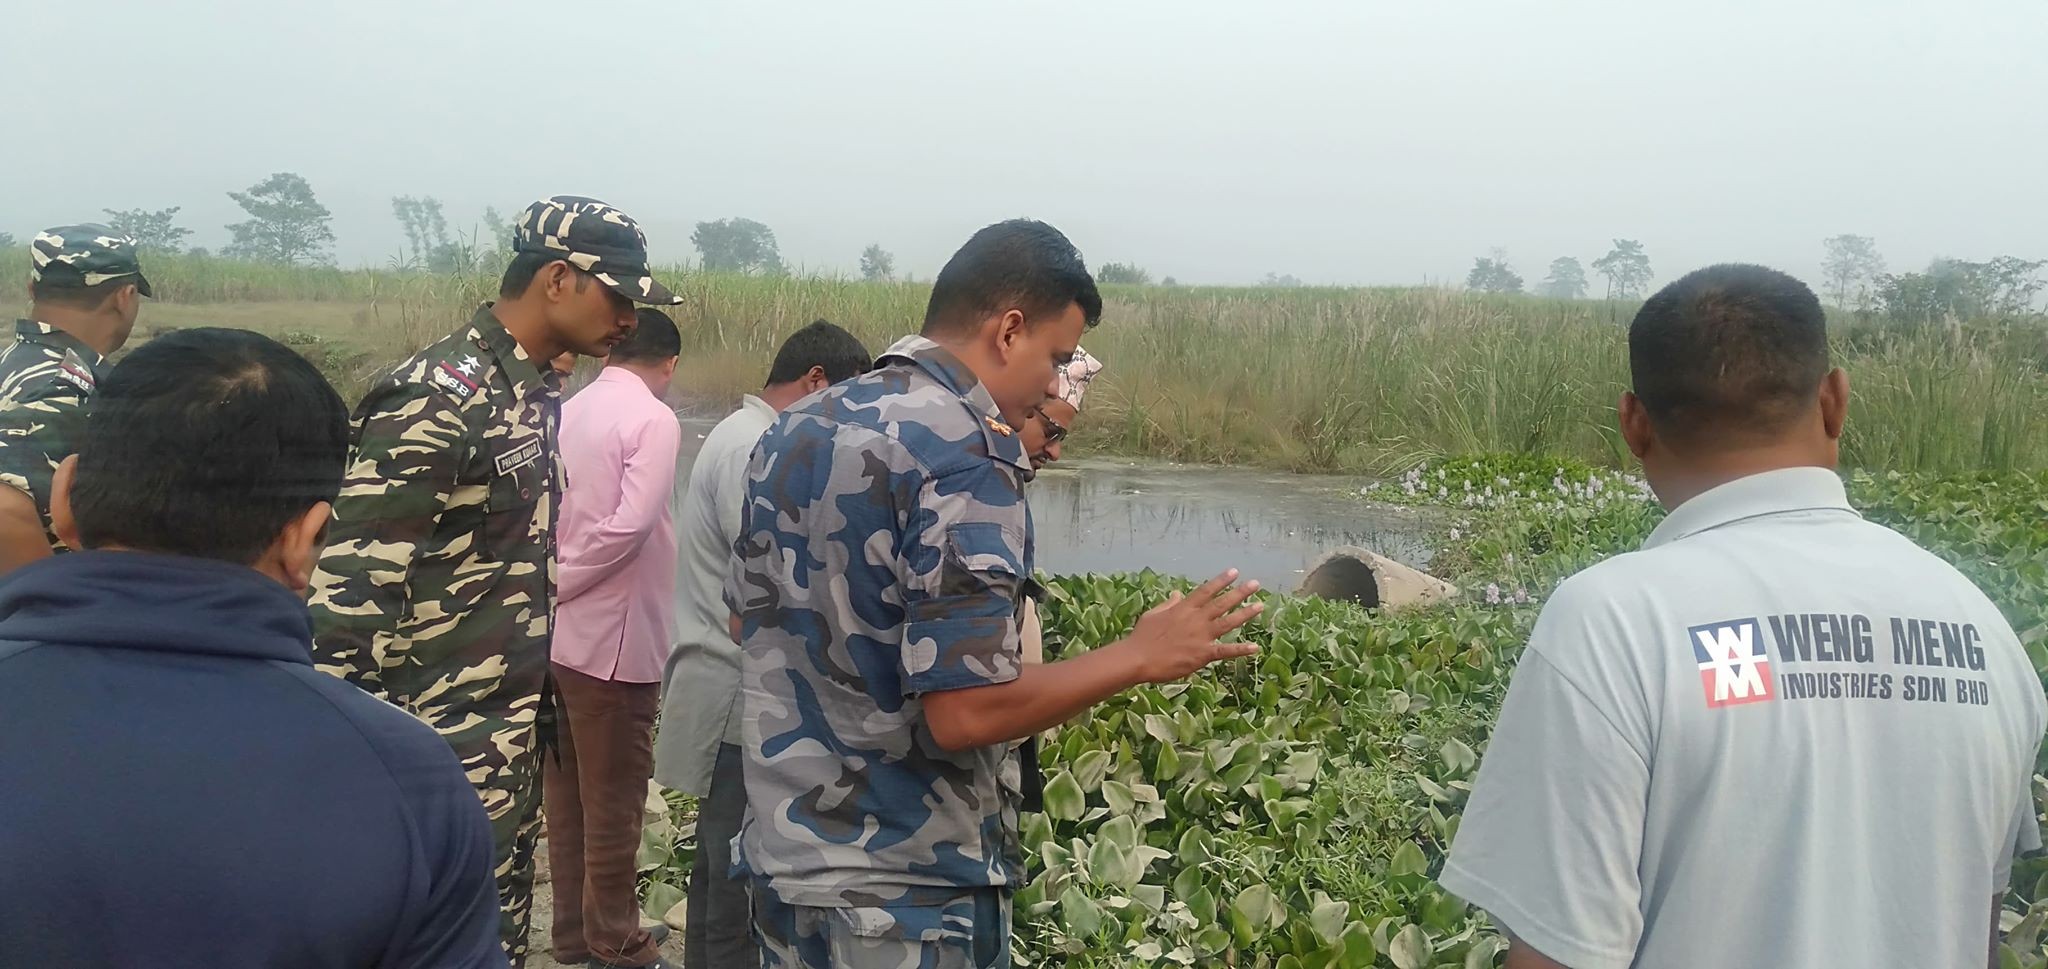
(1342, 142)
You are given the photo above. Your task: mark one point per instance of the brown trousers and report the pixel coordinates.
(594, 795)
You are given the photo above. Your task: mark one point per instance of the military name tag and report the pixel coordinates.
(518, 457)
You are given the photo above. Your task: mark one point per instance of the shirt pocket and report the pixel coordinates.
(926, 936)
(519, 470)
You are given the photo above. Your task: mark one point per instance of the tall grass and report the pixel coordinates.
(1306, 379)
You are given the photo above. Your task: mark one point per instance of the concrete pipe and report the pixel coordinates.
(1374, 581)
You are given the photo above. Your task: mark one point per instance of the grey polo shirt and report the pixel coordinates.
(1779, 735)
(701, 687)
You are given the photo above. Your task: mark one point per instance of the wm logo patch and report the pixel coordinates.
(1734, 668)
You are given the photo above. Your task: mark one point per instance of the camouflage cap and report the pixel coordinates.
(595, 238)
(76, 256)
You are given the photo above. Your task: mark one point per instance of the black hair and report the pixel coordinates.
(1019, 264)
(1730, 349)
(207, 442)
(81, 297)
(520, 273)
(654, 338)
(821, 344)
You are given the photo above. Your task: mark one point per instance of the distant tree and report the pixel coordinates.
(1280, 281)
(286, 223)
(737, 246)
(152, 231)
(1567, 279)
(2005, 286)
(1123, 274)
(1851, 266)
(199, 252)
(6, 239)
(1493, 275)
(876, 264)
(1169, 281)
(1627, 269)
(500, 229)
(426, 232)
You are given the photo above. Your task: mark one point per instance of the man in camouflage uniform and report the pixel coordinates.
(436, 591)
(875, 594)
(87, 287)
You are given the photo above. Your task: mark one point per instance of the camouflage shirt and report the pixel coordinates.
(46, 376)
(880, 556)
(436, 588)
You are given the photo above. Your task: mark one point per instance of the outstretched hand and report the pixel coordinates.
(1182, 634)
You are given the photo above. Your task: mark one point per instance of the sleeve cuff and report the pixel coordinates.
(1526, 927)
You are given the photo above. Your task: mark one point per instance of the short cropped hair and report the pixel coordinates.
(821, 344)
(80, 297)
(207, 442)
(654, 338)
(1732, 350)
(1020, 264)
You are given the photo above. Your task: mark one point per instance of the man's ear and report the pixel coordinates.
(1008, 330)
(299, 544)
(556, 280)
(1636, 428)
(61, 520)
(128, 301)
(815, 380)
(1834, 403)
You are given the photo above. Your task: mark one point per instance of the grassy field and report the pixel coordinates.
(1357, 380)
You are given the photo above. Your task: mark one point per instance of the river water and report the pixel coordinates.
(1095, 515)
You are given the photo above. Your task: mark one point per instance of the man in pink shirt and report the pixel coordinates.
(615, 607)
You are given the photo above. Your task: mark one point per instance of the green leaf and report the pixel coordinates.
(1408, 860)
(1079, 914)
(1063, 797)
(1411, 948)
(1195, 847)
(1259, 907)
(1459, 757)
(661, 896)
(1480, 956)
(1328, 917)
(1091, 768)
(1160, 728)
(1359, 951)
(1119, 797)
(1167, 765)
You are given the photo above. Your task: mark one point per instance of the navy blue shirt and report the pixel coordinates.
(179, 786)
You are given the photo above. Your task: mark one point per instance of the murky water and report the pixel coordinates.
(1119, 516)
(1104, 516)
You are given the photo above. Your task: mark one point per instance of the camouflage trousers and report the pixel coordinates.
(499, 750)
(970, 932)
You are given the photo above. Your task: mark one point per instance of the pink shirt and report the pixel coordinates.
(615, 598)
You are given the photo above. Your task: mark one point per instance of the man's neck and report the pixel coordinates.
(91, 329)
(652, 376)
(781, 396)
(1706, 472)
(529, 328)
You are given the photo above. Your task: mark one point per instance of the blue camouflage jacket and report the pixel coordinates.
(881, 555)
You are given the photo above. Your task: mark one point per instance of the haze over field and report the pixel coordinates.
(1334, 140)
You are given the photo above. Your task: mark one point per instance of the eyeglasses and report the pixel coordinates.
(1055, 431)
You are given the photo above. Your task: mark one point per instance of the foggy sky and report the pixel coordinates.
(1341, 142)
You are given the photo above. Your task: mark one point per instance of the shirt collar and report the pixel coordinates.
(944, 367)
(34, 331)
(527, 377)
(1770, 493)
(619, 375)
(754, 403)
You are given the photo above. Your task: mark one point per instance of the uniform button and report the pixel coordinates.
(526, 494)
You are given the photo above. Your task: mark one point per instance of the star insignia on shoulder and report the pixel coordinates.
(999, 427)
(468, 366)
